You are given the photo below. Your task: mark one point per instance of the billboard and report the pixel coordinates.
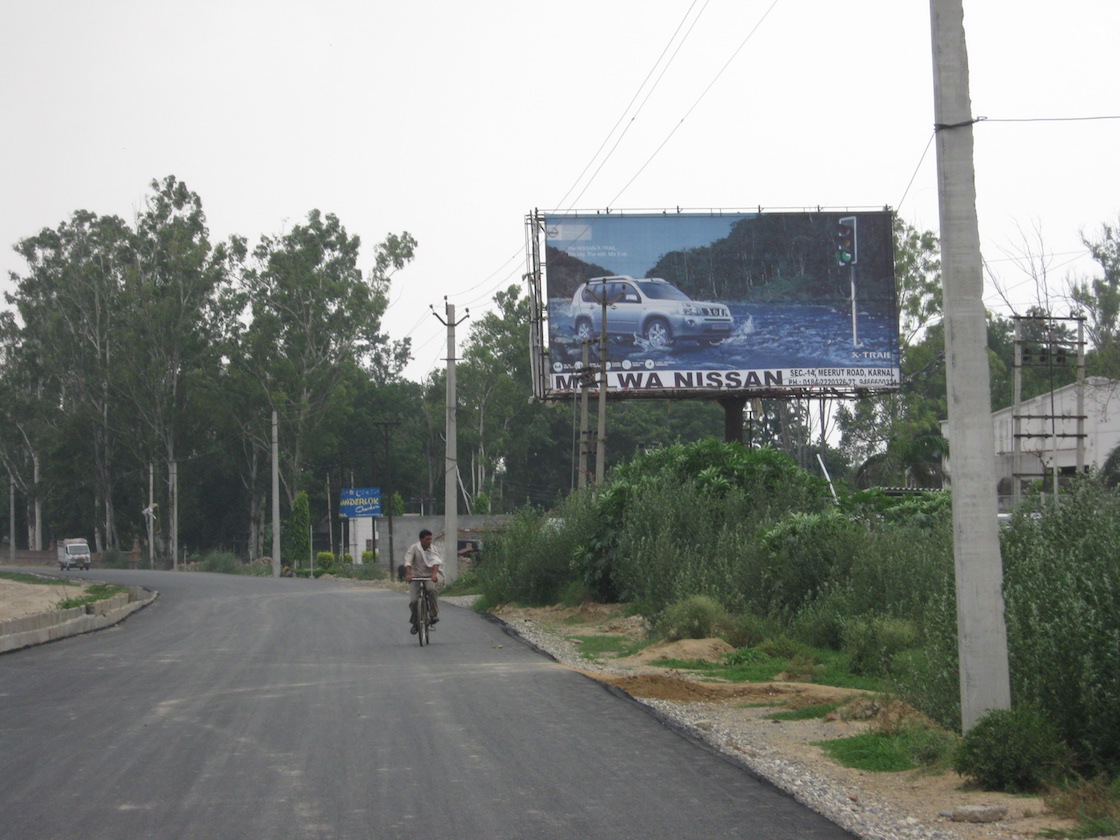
(707, 304)
(359, 502)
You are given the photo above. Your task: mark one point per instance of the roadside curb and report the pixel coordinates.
(18, 633)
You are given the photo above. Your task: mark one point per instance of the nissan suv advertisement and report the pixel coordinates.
(649, 309)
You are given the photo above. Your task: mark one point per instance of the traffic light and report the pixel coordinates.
(846, 241)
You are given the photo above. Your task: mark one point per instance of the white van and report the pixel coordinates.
(73, 554)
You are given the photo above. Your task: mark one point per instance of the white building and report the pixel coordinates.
(1048, 433)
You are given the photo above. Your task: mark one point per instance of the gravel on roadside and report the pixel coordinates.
(864, 819)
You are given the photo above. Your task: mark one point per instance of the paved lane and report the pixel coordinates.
(260, 708)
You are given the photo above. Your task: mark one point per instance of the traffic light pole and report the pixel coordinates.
(855, 315)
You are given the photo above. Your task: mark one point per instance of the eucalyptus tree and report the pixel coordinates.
(178, 316)
(69, 303)
(28, 418)
(311, 314)
(493, 382)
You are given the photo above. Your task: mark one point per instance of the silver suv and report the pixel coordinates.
(650, 308)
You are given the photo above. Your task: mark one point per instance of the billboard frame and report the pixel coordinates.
(712, 385)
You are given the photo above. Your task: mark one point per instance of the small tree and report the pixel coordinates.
(298, 546)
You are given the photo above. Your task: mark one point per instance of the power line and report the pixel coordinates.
(1049, 119)
(641, 106)
(917, 168)
(696, 103)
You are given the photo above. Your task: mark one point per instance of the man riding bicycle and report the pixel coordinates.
(422, 562)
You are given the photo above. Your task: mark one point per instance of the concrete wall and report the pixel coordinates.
(19, 633)
(407, 528)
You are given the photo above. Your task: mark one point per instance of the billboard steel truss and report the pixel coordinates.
(713, 304)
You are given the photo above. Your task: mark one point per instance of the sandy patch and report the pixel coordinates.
(18, 600)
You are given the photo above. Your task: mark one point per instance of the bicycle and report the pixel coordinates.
(423, 614)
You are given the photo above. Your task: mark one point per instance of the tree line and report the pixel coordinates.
(142, 362)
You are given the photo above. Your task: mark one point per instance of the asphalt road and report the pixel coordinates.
(255, 708)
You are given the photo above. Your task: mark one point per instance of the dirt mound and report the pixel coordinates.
(680, 689)
(685, 650)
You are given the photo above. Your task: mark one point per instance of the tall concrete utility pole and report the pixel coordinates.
(451, 459)
(387, 500)
(981, 633)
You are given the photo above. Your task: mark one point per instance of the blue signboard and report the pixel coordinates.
(359, 502)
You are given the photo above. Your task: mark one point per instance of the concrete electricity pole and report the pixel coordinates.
(451, 460)
(981, 633)
(387, 500)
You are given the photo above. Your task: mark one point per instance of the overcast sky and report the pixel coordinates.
(454, 120)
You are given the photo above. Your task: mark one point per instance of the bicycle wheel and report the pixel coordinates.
(422, 619)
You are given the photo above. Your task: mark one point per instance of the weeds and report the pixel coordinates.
(593, 647)
(93, 593)
(806, 712)
(1093, 803)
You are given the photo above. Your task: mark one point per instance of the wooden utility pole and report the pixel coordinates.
(981, 632)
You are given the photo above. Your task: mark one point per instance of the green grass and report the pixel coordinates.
(94, 593)
(21, 577)
(823, 667)
(467, 584)
(891, 752)
(593, 647)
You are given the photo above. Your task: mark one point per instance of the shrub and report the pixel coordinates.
(698, 617)
(872, 642)
(531, 561)
(362, 571)
(804, 553)
(820, 622)
(223, 562)
(783, 647)
(1062, 594)
(748, 629)
(114, 558)
(1013, 750)
(324, 560)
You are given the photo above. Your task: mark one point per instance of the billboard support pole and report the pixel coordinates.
(584, 432)
(601, 432)
(733, 418)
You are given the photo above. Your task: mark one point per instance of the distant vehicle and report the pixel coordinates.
(651, 309)
(73, 554)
